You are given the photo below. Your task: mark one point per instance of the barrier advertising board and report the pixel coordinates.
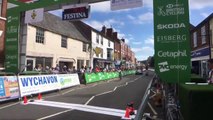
(95, 77)
(37, 84)
(171, 29)
(8, 88)
(68, 80)
(33, 84)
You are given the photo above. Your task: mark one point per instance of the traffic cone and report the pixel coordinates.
(25, 100)
(39, 96)
(127, 113)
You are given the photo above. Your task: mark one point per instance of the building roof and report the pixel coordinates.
(57, 25)
(203, 22)
(83, 28)
(86, 30)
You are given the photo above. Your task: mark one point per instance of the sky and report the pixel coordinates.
(136, 25)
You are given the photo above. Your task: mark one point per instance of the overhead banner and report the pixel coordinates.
(125, 4)
(75, 12)
(172, 40)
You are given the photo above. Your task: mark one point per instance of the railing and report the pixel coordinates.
(142, 107)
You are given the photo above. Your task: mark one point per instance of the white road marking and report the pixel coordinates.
(79, 89)
(110, 90)
(54, 114)
(10, 105)
(50, 96)
(89, 100)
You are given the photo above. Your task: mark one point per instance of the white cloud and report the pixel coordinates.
(112, 22)
(57, 12)
(147, 50)
(95, 24)
(137, 50)
(142, 57)
(200, 4)
(147, 17)
(108, 23)
(141, 19)
(150, 41)
(127, 40)
(136, 43)
(204, 15)
(130, 17)
(143, 53)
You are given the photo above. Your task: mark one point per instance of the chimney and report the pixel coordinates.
(115, 35)
(123, 40)
(109, 32)
(104, 30)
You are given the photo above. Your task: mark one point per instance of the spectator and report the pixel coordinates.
(74, 70)
(210, 76)
(90, 69)
(82, 70)
(97, 69)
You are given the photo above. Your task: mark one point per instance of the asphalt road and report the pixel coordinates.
(111, 94)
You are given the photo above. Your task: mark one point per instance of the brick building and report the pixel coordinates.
(201, 46)
(3, 9)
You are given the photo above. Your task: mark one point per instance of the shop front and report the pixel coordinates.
(103, 63)
(199, 61)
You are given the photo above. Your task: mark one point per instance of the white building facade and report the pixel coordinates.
(43, 47)
(102, 50)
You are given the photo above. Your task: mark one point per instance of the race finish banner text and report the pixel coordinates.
(172, 41)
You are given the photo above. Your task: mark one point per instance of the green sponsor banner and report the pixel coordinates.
(11, 42)
(95, 77)
(172, 40)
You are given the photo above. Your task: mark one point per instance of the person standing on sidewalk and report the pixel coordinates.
(210, 76)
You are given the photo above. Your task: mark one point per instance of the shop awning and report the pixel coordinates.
(66, 59)
(103, 60)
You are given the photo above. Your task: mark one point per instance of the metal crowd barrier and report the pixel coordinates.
(144, 102)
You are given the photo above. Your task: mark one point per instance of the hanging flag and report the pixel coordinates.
(35, 15)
